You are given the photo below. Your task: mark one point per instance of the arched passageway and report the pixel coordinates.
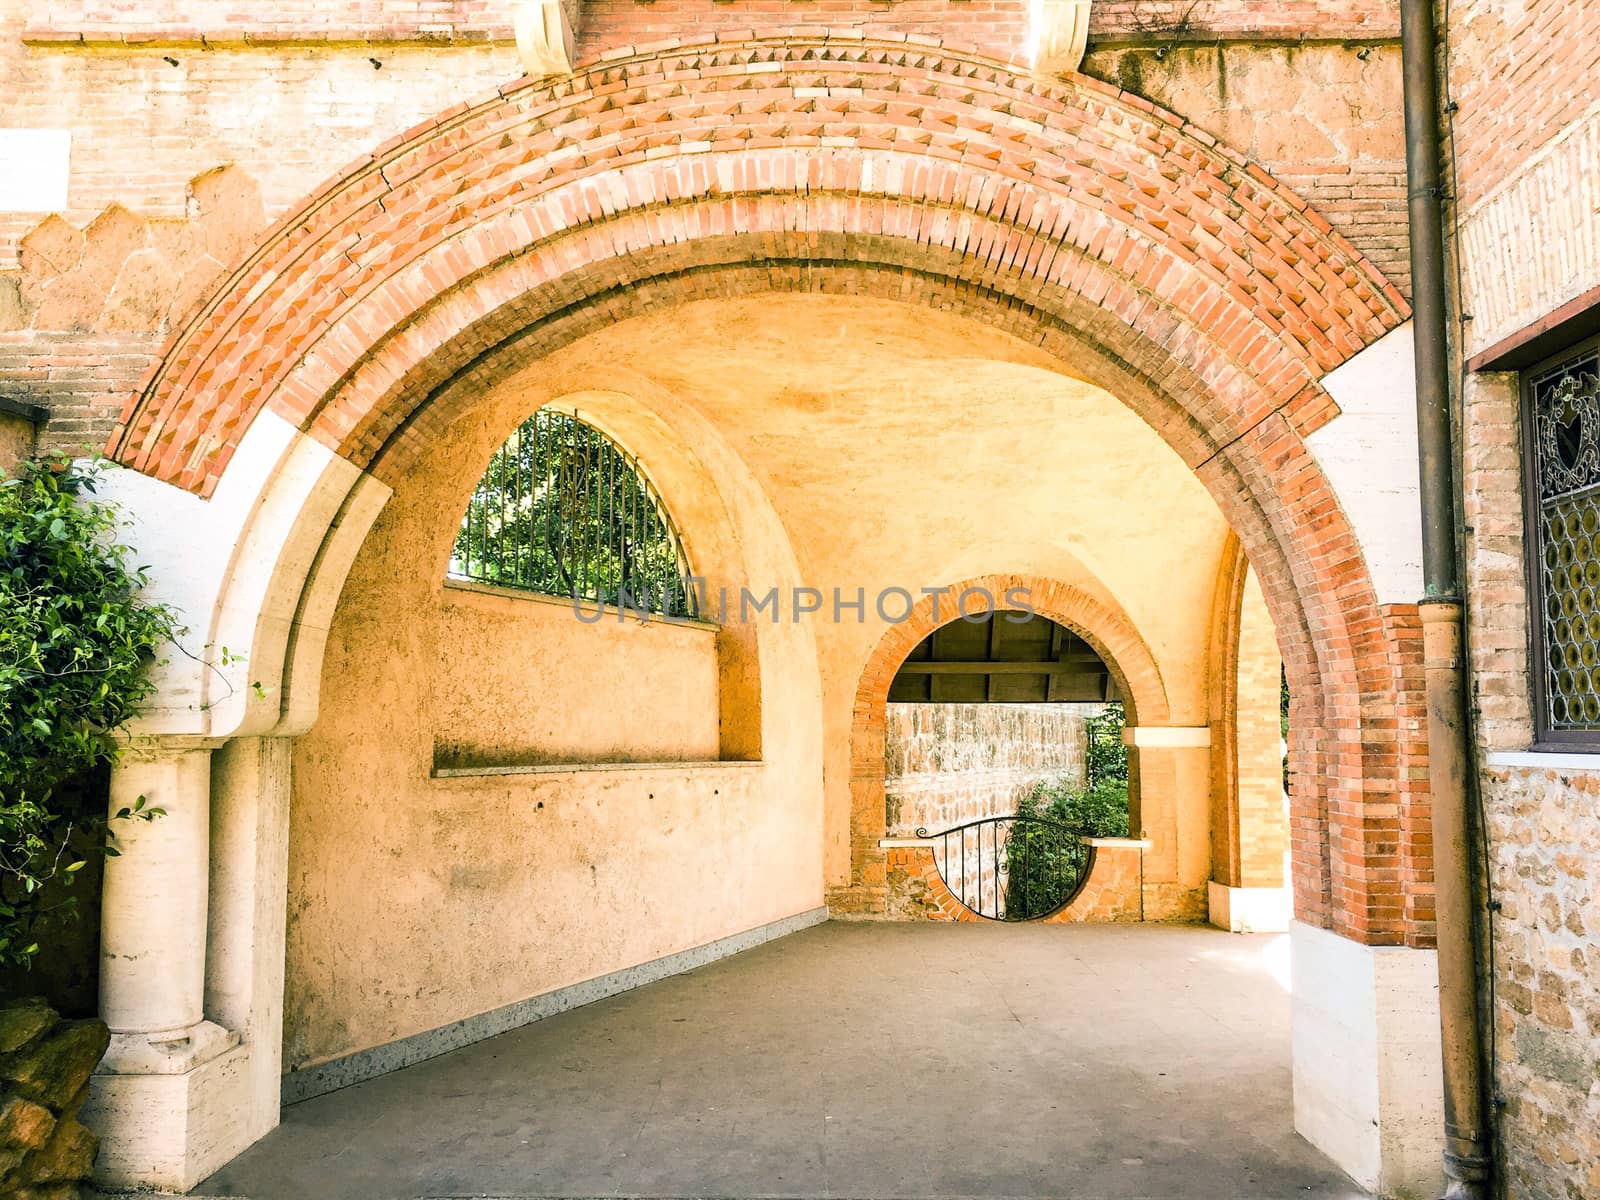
(694, 243)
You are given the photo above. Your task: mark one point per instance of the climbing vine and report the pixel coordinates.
(75, 642)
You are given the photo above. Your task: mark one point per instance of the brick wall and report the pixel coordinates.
(1526, 136)
(159, 97)
(947, 764)
(1526, 166)
(1001, 24)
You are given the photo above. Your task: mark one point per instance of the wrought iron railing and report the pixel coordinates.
(1012, 868)
(565, 511)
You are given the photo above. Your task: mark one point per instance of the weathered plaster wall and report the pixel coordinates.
(876, 430)
(952, 763)
(519, 681)
(1325, 116)
(415, 901)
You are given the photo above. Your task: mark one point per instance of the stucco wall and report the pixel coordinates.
(874, 428)
(952, 763)
(415, 901)
(523, 681)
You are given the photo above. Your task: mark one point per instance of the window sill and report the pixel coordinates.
(583, 610)
(1544, 760)
(588, 768)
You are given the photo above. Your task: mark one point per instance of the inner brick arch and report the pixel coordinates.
(1150, 259)
(1102, 625)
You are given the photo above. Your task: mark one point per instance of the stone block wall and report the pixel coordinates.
(952, 763)
(45, 1065)
(1544, 834)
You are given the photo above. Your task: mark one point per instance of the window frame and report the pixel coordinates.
(1545, 738)
(649, 494)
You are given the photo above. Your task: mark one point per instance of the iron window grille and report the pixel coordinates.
(1561, 427)
(564, 511)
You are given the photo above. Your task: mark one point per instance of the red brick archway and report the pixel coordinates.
(1105, 627)
(1147, 257)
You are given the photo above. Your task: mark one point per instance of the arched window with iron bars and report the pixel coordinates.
(563, 510)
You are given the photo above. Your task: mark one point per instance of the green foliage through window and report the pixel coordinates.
(1044, 862)
(563, 510)
(75, 641)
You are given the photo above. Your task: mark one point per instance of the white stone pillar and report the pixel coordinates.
(153, 917)
(1368, 1089)
(147, 1096)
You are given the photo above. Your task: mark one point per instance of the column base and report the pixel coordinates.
(1249, 910)
(172, 1053)
(169, 1107)
(1368, 1085)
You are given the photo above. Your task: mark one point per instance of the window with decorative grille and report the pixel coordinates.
(1562, 485)
(564, 511)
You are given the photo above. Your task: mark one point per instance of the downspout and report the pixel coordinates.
(1467, 1158)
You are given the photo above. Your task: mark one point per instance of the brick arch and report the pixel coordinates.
(1101, 624)
(1147, 256)
(1174, 234)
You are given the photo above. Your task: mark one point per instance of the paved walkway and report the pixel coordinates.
(853, 1061)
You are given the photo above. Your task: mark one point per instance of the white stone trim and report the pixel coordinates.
(1249, 909)
(546, 35)
(1368, 1085)
(1369, 455)
(1058, 35)
(1167, 737)
(35, 166)
(1543, 760)
(257, 572)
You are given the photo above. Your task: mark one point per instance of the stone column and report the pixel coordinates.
(1172, 766)
(153, 913)
(163, 1053)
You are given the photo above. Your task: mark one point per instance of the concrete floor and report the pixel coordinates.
(853, 1060)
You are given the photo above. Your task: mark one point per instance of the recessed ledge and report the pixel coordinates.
(586, 608)
(687, 764)
(1100, 843)
(1543, 760)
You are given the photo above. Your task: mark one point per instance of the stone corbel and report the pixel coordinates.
(1059, 34)
(547, 32)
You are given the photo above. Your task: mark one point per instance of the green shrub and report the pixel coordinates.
(75, 642)
(1043, 862)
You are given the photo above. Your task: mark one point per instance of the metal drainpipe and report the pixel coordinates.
(1467, 1158)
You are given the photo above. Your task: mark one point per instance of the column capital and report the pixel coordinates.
(144, 749)
(1167, 737)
